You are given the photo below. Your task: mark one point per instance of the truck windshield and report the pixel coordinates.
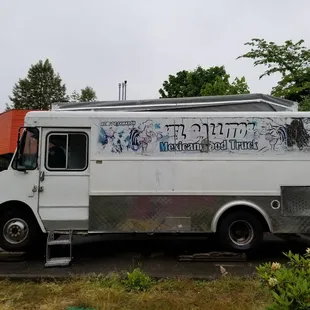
(27, 152)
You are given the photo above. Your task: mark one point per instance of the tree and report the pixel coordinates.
(222, 86)
(88, 94)
(202, 82)
(75, 97)
(305, 104)
(291, 60)
(39, 89)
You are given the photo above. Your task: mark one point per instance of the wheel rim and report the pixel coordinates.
(15, 231)
(241, 233)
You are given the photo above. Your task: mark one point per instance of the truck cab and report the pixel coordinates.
(19, 194)
(45, 186)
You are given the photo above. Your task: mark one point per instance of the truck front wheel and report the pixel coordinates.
(240, 231)
(18, 231)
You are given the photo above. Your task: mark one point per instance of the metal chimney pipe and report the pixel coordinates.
(125, 95)
(123, 86)
(119, 91)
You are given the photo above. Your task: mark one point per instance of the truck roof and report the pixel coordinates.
(88, 118)
(244, 102)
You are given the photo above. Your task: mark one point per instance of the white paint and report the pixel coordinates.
(17, 186)
(64, 214)
(196, 178)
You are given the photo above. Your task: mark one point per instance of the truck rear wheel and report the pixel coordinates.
(18, 231)
(240, 231)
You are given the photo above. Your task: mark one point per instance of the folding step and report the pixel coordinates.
(58, 262)
(59, 242)
(51, 242)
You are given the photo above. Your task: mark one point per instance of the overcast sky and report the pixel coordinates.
(102, 42)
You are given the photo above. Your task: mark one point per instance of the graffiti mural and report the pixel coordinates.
(188, 136)
(117, 137)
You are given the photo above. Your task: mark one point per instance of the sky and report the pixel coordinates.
(103, 42)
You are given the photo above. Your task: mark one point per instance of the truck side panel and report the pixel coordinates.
(135, 199)
(157, 175)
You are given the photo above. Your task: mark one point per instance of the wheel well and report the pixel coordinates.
(17, 205)
(247, 209)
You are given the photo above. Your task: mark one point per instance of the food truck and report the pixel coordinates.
(235, 174)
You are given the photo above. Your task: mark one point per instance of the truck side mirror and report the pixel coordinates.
(18, 163)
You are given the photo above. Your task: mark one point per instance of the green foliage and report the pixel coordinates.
(291, 60)
(113, 280)
(8, 107)
(202, 82)
(75, 97)
(284, 59)
(137, 280)
(87, 94)
(39, 89)
(290, 283)
(305, 104)
(222, 86)
(294, 86)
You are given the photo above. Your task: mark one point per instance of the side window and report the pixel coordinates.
(67, 151)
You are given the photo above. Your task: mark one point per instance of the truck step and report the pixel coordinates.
(58, 262)
(59, 242)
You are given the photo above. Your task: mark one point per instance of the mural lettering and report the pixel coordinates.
(176, 130)
(118, 123)
(206, 146)
(227, 130)
(201, 136)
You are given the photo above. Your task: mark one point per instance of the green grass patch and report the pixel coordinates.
(133, 290)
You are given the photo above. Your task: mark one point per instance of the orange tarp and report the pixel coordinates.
(10, 122)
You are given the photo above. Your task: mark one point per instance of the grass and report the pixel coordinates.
(96, 292)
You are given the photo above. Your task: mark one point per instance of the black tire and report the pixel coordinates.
(33, 235)
(248, 223)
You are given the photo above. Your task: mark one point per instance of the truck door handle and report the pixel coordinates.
(34, 189)
(42, 175)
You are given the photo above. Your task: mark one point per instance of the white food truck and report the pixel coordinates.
(236, 174)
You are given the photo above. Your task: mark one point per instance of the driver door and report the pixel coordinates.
(64, 199)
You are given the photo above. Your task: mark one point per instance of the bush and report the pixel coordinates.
(290, 283)
(137, 280)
